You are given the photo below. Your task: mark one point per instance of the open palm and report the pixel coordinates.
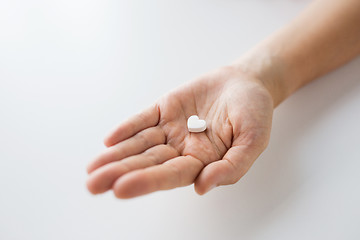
(153, 150)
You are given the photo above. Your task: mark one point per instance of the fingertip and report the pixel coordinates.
(114, 136)
(204, 187)
(91, 187)
(95, 183)
(209, 188)
(107, 142)
(118, 193)
(130, 185)
(89, 168)
(213, 175)
(119, 190)
(104, 157)
(200, 191)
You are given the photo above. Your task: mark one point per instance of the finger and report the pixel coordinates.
(132, 146)
(145, 119)
(176, 172)
(103, 178)
(229, 170)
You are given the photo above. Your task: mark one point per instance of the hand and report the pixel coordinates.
(154, 151)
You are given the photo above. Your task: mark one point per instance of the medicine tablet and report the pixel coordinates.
(195, 124)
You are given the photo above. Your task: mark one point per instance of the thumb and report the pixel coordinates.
(235, 163)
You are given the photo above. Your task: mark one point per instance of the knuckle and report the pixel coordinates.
(151, 157)
(117, 152)
(177, 173)
(143, 138)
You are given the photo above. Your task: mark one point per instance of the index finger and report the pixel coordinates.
(145, 119)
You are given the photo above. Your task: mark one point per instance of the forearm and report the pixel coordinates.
(321, 38)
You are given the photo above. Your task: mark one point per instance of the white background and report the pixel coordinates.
(70, 70)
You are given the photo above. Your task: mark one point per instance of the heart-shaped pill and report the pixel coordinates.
(195, 124)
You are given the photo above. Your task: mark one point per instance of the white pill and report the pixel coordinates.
(195, 124)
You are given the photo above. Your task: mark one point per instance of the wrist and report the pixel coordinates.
(269, 68)
(266, 63)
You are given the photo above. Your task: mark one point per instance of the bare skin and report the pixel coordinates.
(164, 155)
(154, 151)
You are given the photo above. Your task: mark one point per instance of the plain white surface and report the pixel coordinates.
(70, 70)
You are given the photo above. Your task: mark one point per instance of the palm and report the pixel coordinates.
(207, 146)
(154, 150)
